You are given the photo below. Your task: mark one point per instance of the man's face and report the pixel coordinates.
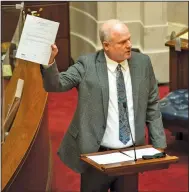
(119, 47)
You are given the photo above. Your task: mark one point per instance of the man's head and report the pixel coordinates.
(115, 39)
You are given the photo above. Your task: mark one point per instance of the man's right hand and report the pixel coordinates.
(53, 53)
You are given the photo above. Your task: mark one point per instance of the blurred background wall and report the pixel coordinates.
(150, 24)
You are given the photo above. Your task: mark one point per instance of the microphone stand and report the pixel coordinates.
(135, 159)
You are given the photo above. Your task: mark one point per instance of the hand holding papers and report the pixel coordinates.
(37, 37)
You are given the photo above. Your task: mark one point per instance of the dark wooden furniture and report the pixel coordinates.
(59, 12)
(178, 69)
(9, 18)
(178, 64)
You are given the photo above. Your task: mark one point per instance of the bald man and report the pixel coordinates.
(117, 95)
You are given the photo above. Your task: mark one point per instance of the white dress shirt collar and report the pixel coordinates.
(112, 65)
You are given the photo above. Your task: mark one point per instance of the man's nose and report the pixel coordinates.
(129, 44)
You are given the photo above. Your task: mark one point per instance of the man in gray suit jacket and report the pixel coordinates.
(96, 123)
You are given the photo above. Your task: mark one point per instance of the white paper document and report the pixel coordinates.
(37, 37)
(141, 152)
(110, 158)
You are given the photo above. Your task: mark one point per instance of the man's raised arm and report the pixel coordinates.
(53, 81)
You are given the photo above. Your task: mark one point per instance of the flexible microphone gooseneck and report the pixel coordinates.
(135, 159)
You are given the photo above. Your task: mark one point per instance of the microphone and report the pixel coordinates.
(135, 159)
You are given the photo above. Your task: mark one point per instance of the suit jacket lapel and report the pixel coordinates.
(135, 78)
(102, 73)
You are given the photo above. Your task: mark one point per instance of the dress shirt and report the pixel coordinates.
(111, 136)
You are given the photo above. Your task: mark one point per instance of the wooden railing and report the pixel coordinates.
(28, 133)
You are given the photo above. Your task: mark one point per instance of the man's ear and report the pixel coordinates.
(106, 45)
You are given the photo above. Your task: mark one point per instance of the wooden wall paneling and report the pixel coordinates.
(178, 63)
(172, 68)
(9, 18)
(178, 69)
(59, 12)
(183, 69)
(62, 57)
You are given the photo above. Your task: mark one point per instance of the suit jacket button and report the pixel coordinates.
(98, 142)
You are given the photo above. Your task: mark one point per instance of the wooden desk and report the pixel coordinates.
(178, 64)
(129, 167)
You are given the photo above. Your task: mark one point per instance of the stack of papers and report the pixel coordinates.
(118, 157)
(110, 158)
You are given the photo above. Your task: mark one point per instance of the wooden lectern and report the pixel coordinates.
(178, 62)
(129, 167)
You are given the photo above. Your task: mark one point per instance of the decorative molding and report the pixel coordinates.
(167, 24)
(177, 24)
(166, 50)
(101, 22)
(83, 38)
(84, 13)
(139, 21)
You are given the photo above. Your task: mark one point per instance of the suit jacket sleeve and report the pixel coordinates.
(153, 114)
(53, 81)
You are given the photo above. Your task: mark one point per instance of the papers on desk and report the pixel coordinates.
(117, 157)
(141, 152)
(38, 35)
(110, 158)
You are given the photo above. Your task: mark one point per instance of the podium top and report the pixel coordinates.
(129, 166)
(184, 40)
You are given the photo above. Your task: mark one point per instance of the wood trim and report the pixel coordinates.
(23, 131)
(184, 42)
(129, 167)
(50, 169)
(45, 4)
(69, 47)
(24, 159)
(181, 33)
(11, 115)
(163, 84)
